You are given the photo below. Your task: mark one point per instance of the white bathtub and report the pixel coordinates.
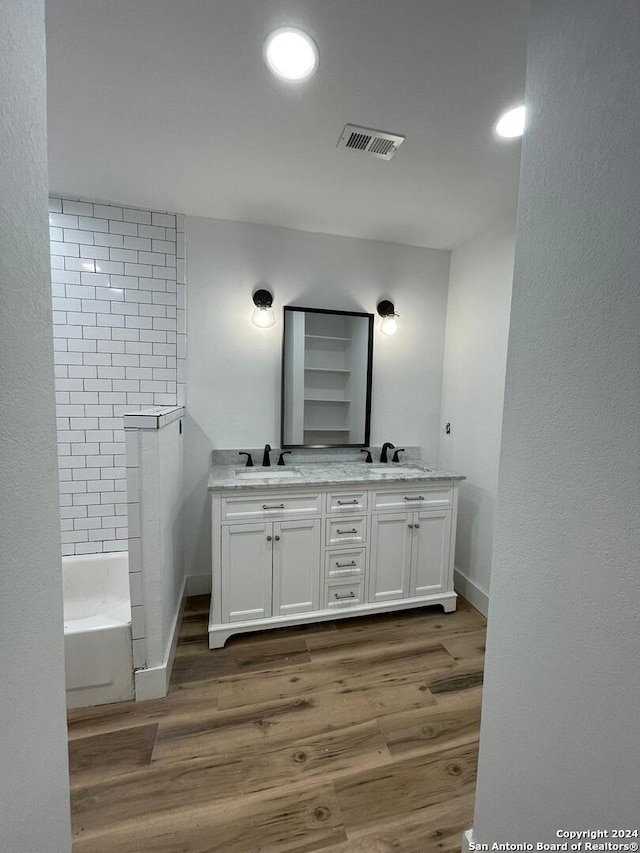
(97, 629)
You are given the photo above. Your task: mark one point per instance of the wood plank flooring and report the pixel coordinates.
(354, 736)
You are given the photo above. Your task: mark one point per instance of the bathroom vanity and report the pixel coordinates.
(325, 541)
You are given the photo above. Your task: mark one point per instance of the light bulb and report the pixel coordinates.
(389, 325)
(263, 317)
(511, 125)
(290, 54)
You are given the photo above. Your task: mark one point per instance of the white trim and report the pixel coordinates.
(467, 840)
(474, 594)
(219, 633)
(198, 584)
(153, 683)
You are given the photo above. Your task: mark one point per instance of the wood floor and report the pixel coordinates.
(355, 736)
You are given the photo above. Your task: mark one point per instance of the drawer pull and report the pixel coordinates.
(342, 597)
(277, 538)
(268, 539)
(276, 506)
(340, 532)
(345, 503)
(419, 498)
(346, 565)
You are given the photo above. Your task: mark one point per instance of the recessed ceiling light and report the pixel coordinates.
(290, 54)
(511, 124)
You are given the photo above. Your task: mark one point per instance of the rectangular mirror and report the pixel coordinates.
(327, 359)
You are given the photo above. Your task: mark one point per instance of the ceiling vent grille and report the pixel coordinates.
(375, 142)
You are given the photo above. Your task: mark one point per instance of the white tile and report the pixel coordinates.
(105, 373)
(100, 510)
(56, 234)
(125, 334)
(168, 273)
(137, 622)
(73, 236)
(138, 348)
(97, 385)
(65, 276)
(110, 267)
(180, 245)
(153, 231)
(97, 333)
(164, 246)
(68, 536)
(138, 269)
(55, 206)
(124, 255)
(82, 345)
(139, 322)
(88, 548)
(80, 291)
(57, 263)
(180, 271)
(95, 279)
(140, 372)
(91, 223)
(100, 252)
(114, 241)
(96, 305)
(97, 358)
(152, 284)
(111, 320)
(113, 293)
(137, 296)
(81, 208)
(140, 653)
(129, 228)
(126, 385)
(154, 360)
(133, 517)
(142, 244)
(108, 211)
(129, 282)
(84, 423)
(133, 485)
(114, 347)
(126, 360)
(66, 249)
(154, 257)
(136, 588)
(133, 215)
(168, 220)
(162, 298)
(62, 220)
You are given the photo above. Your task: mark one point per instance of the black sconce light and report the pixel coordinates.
(263, 314)
(387, 311)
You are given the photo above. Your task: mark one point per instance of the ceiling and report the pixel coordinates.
(167, 104)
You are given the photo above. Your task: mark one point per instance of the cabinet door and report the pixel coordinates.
(296, 566)
(430, 551)
(390, 560)
(246, 571)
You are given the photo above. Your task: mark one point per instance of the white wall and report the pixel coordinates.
(233, 375)
(473, 393)
(34, 795)
(559, 746)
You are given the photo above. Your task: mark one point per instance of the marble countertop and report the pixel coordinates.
(223, 477)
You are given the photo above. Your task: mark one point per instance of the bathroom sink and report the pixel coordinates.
(267, 474)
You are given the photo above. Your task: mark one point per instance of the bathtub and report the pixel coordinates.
(97, 629)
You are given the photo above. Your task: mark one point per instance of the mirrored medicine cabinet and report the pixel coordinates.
(327, 359)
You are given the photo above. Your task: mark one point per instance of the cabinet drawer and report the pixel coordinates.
(341, 594)
(338, 503)
(427, 497)
(344, 564)
(350, 529)
(270, 506)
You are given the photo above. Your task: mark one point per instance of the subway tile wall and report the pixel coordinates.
(119, 298)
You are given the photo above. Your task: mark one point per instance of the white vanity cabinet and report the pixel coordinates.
(285, 556)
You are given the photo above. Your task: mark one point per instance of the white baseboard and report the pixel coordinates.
(153, 683)
(198, 584)
(467, 840)
(474, 594)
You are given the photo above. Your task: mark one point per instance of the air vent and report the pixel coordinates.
(374, 142)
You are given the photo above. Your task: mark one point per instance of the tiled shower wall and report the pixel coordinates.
(118, 286)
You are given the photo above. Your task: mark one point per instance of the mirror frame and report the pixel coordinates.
(369, 380)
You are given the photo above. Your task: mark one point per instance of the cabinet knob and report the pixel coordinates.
(268, 539)
(410, 526)
(277, 538)
(415, 525)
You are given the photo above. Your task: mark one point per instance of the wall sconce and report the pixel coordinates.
(387, 311)
(263, 314)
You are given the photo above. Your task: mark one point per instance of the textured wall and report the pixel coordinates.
(34, 795)
(559, 746)
(117, 280)
(473, 389)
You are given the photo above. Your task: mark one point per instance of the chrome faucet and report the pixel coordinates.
(383, 453)
(266, 460)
